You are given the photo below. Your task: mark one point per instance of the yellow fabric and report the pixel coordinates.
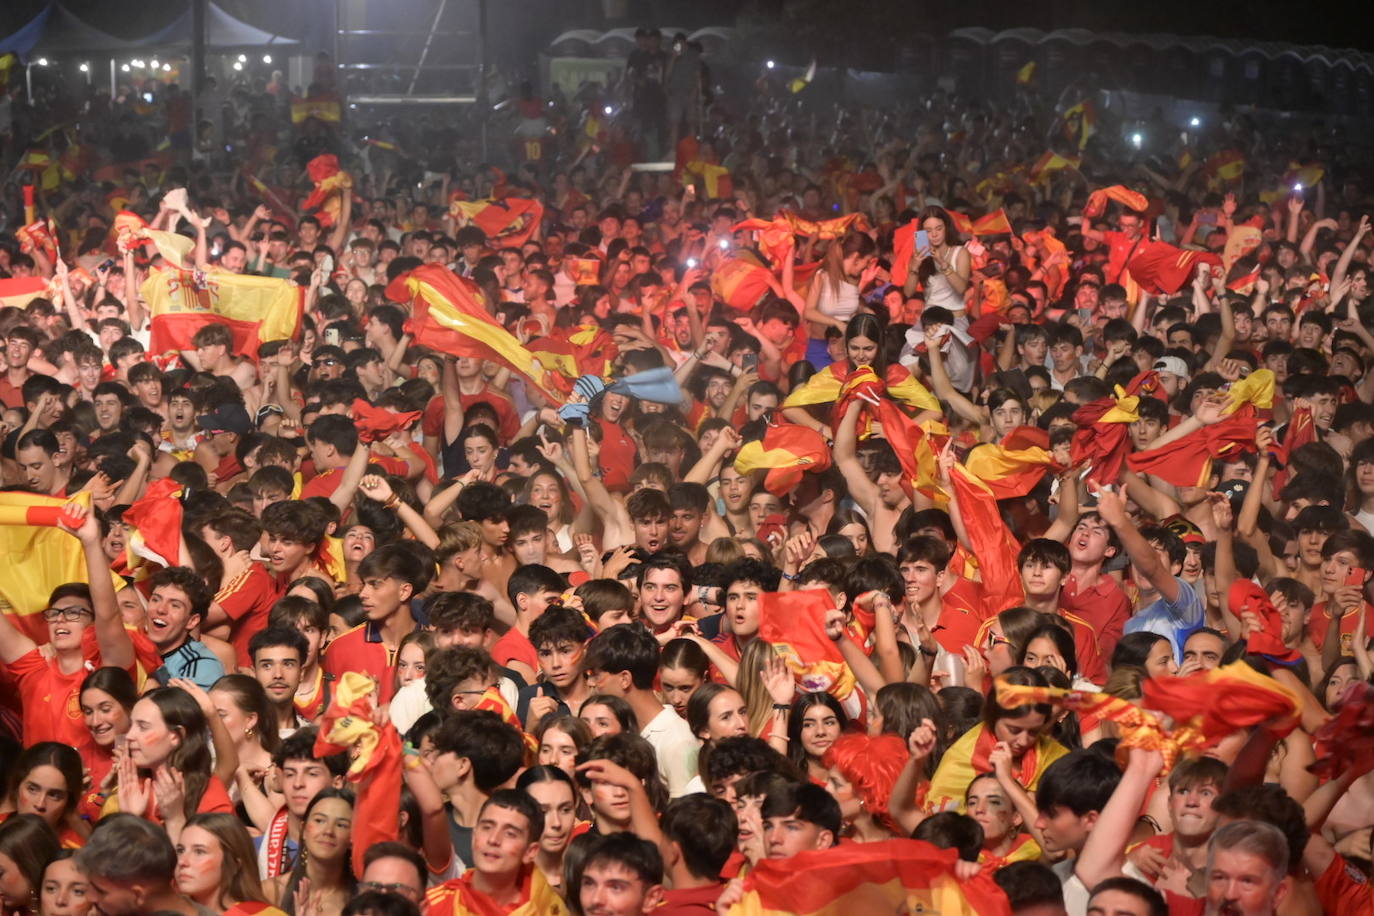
(1257, 388)
(1126, 410)
(754, 457)
(356, 732)
(993, 462)
(821, 388)
(271, 301)
(38, 559)
(913, 394)
(955, 772)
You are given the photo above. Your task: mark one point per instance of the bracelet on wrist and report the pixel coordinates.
(782, 707)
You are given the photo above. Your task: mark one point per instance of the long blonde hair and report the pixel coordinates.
(749, 683)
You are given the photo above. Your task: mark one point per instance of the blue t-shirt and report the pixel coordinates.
(1175, 621)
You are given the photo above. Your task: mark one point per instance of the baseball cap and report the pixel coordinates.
(1174, 365)
(226, 418)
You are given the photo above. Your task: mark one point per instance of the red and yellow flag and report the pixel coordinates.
(374, 765)
(741, 281)
(893, 876)
(794, 623)
(450, 315)
(1097, 200)
(787, 451)
(1016, 465)
(1049, 163)
(989, 538)
(155, 520)
(1225, 167)
(1187, 462)
(508, 223)
(255, 309)
(20, 291)
(331, 183)
(994, 223)
(714, 178)
(1079, 122)
(39, 557)
(1301, 431)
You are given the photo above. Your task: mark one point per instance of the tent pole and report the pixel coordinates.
(197, 66)
(113, 82)
(483, 106)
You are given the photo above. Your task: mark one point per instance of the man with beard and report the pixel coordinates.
(277, 655)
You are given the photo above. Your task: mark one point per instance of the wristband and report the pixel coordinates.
(784, 707)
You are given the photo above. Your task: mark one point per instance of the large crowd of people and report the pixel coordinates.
(949, 484)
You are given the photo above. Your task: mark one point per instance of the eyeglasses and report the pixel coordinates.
(405, 890)
(69, 614)
(994, 641)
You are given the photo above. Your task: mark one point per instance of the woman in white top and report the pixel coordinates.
(943, 267)
(834, 295)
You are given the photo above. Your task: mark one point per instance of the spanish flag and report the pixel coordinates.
(1026, 75)
(1101, 439)
(742, 280)
(1131, 200)
(1212, 704)
(508, 223)
(794, 623)
(331, 183)
(450, 315)
(320, 107)
(45, 169)
(1015, 466)
(131, 231)
(775, 236)
(1247, 596)
(787, 451)
(1079, 123)
(1187, 462)
(1049, 163)
(20, 291)
(904, 248)
(39, 557)
(714, 178)
(826, 386)
(989, 538)
(1225, 167)
(376, 423)
(994, 223)
(1306, 175)
(37, 236)
(255, 309)
(458, 898)
(156, 523)
(374, 761)
(893, 876)
(1240, 241)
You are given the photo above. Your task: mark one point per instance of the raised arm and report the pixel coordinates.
(1348, 255)
(1105, 852)
(116, 648)
(863, 490)
(944, 388)
(1111, 505)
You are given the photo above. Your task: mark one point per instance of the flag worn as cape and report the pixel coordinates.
(508, 223)
(451, 315)
(794, 622)
(892, 876)
(39, 557)
(825, 386)
(375, 761)
(787, 450)
(1187, 462)
(459, 898)
(1097, 200)
(254, 309)
(1246, 595)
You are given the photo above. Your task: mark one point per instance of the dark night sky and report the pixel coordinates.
(1310, 23)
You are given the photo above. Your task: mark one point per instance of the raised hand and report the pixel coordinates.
(921, 743)
(134, 794)
(374, 486)
(778, 680)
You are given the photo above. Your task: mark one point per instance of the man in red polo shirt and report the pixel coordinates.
(391, 576)
(50, 687)
(1088, 592)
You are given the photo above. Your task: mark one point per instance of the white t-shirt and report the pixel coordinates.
(675, 747)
